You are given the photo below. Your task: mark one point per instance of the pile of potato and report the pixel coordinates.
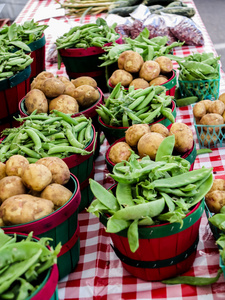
(31, 191)
(215, 198)
(207, 112)
(68, 96)
(133, 71)
(145, 140)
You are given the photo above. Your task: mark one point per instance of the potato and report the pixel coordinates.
(86, 95)
(119, 152)
(149, 144)
(207, 104)
(64, 79)
(56, 193)
(215, 200)
(1, 222)
(217, 107)
(39, 79)
(24, 208)
(139, 83)
(35, 100)
(223, 115)
(160, 128)
(69, 86)
(158, 80)
(65, 104)
(59, 169)
(10, 186)
(135, 132)
(122, 58)
(121, 76)
(44, 75)
(208, 139)
(149, 70)
(166, 65)
(218, 184)
(199, 109)
(133, 62)
(15, 165)
(36, 177)
(222, 97)
(52, 87)
(211, 119)
(2, 170)
(84, 80)
(183, 137)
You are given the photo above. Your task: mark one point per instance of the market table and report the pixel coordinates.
(99, 273)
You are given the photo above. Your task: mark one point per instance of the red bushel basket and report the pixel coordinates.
(12, 90)
(165, 251)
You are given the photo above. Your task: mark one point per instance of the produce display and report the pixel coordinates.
(24, 262)
(141, 106)
(42, 135)
(68, 96)
(150, 192)
(29, 192)
(13, 62)
(20, 36)
(146, 140)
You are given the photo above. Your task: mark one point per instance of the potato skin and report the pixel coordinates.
(2, 170)
(158, 80)
(56, 193)
(135, 132)
(39, 79)
(183, 137)
(211, 119)
(119, 152)
(149, 144)
(121, 76)
(36, 177)
(84, 80)
(35, 99)
(52, 87)
(24, 208)
(86, 95)
(218, 184)
(207, 104)
(122, 58)
(58, 168)
(15, 165)
(65, 104)
(222, 97)
(139, 83)
(160, 128)
(166, 65)
(215, 200)
(149, 70)
(217, 107)
(69, 88)
(199, 109)
(10, 186)
(133, 62)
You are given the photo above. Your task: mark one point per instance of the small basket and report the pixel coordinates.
(203, 89)
(154, 260)
(113, 133)
(170, 85)
(189, 156)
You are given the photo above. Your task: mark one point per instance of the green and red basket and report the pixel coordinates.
(154, 260)
(190, 155)
(62, 226)
(113, 133)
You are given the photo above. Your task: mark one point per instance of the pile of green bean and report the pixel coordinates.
(42, 135)
(150, 192)
(88, 35)
(22, 264)
(142, 106)
(11, 63)
(19, 36)
(200, 67)
(147, 48)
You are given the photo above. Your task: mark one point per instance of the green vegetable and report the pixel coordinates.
(186, 101)
(178, 10)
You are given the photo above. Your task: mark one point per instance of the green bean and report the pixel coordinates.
(195, 281)
(80, 126)
(87, 133)
(65, 117)
(35, 138)
(152, 115)
(166, 147)
(125, 121)
(57, 135)
(81, 134)
(68, 149)
(124, 194)
(3, 152)
(103, 115)
(137, 102)
(30, 152)
(146, 101)
(132, 235)
(32, 160)
(166, 112)
(72, 140)
(204, 151)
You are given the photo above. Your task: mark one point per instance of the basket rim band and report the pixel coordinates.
(157, 263)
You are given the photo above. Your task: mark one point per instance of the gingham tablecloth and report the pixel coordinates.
(99, 273)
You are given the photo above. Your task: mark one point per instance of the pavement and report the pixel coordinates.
(212, 13)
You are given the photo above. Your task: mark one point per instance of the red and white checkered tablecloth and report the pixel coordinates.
(99, 273)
